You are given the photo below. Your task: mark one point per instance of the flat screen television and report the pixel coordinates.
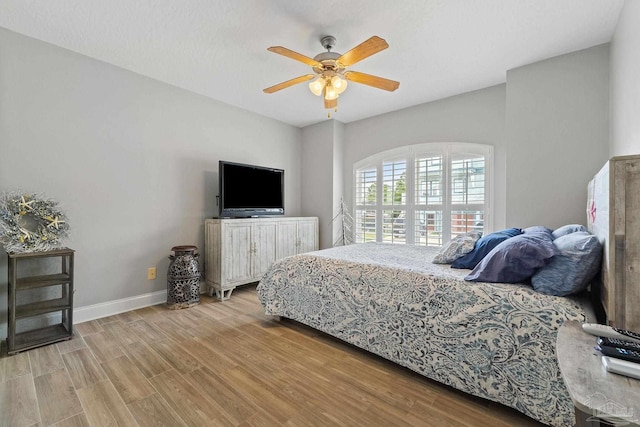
(250, 191)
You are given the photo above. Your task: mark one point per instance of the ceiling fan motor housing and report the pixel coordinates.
(328, 61)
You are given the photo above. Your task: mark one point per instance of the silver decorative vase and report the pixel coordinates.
(183, 278)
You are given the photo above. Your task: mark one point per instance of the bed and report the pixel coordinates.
(491, 340)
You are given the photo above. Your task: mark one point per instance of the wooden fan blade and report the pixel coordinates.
(288, 83)
(331, 103)
(364, 50)
(369, 80)
(294, 55)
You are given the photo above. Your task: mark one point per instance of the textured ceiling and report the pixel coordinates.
(218, 48)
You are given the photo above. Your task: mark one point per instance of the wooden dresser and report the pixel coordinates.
(240, 251)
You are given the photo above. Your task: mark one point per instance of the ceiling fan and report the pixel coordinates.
(329, 68)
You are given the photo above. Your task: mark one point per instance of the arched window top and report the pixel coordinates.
(426, 147)
(423, 194)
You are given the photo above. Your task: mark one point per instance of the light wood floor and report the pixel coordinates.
(223, 364)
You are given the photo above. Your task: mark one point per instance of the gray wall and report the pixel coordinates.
(625, 83)
(557, 127)
(338, 180)
(548, 125)
(470, 117)
(322, 183)
(133, 162)
(317, 177)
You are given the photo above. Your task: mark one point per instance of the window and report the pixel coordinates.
(423, 194)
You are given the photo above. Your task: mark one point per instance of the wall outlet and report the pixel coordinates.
(151, 273)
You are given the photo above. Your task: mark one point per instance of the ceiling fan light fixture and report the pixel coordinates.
(330, 77)
(339, 84)
(317, 85)
(330, 93)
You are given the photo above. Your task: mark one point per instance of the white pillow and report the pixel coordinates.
(460, 245)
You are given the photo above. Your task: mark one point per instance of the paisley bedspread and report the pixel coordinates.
(492, 340)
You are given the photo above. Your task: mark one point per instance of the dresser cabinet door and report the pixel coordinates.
(307, 236)
(237, 247)
(264, 247)
(287, 238)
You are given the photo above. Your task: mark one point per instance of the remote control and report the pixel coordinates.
(609, 332)
(621, 367)
(620, 353)
(614, 342)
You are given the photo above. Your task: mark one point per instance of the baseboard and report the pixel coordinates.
(104, 309)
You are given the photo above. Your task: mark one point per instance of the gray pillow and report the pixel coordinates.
(568, 229)
(460, 245)
(570, 271)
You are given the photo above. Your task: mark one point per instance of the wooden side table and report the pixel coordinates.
(600, 398)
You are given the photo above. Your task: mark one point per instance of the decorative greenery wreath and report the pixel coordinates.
(29, 223)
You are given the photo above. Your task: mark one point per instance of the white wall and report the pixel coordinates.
(557, 127)
(625, 83)
(470, 117)
(133, 162)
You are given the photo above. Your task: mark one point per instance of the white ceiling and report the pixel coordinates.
(218, 48)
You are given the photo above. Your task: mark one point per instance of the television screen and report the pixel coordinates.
(248, 190)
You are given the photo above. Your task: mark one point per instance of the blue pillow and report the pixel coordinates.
(568, 229)
(516, 259)
(572, 269)
(483, 247)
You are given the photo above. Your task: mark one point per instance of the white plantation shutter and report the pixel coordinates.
(423, 194)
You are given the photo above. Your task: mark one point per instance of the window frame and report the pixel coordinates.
(409, 153)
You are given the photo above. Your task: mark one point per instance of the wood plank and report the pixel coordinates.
(121, 333)
(88, 328)
(151, 314)
(235, 404)
(83, 368)
(79, 420)
(57, 398)
(104, 407)
(127, 316)
(146, 359)
(152, 411)
(44, 360)
(259, 419)
(177, 356)
(204, 351)
(194, 408)
(18, 402)
(102, 345)
(14, 366)
(127, 379)
(146, 332)
(183, 320)
(173, 330)
(261, 393)
(75, 343)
